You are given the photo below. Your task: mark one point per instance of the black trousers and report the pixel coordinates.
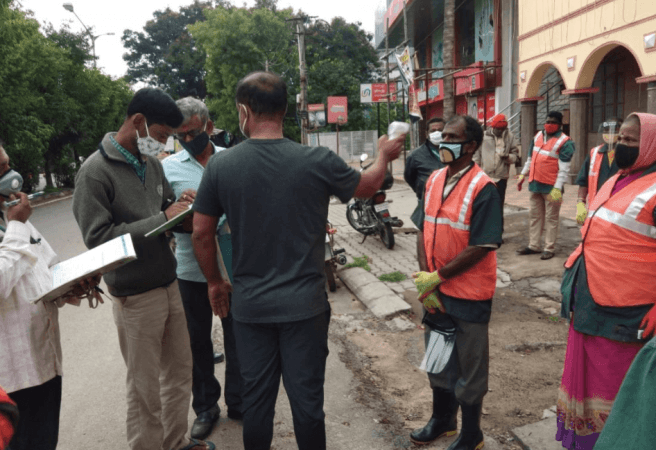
(205, 388)
(502, 184)
(467, 372)
(38, 424)
(297, 351)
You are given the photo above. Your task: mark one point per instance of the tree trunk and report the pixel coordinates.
(46, 169)
(449, 57)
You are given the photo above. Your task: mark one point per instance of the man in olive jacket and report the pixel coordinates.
(497, 153)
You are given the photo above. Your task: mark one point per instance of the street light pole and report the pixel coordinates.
(69, 7)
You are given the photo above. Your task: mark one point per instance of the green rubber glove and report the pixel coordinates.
(431, 302)
(555, 196)
(581, 213)
(426, 283)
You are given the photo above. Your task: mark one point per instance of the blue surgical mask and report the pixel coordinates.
(451, 151)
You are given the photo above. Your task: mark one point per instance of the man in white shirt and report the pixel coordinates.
(30, 348)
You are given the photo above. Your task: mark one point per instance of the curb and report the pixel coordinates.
(52, 198)
(373, 293)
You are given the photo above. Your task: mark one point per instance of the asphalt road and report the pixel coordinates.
(93, 404)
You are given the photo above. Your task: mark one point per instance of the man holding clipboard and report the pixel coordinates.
(121, 189)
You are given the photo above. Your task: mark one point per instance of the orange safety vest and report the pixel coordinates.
(619, 244)
(596, 160)
(446, 234)
(544, 160)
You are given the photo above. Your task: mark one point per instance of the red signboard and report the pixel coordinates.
(379, 93)
(337, 110)
(316, 107)
(394, 11)
(491, 105)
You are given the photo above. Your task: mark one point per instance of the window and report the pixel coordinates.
(609, 101)
(466, 34)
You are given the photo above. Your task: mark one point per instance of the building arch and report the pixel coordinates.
(589, 68)
(535, 80)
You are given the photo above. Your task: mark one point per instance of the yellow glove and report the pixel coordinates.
(432, 301)
(581, 213)
(555, 196)
(427, 283)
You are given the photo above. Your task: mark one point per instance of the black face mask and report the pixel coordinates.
(626, 156)
(197, 145)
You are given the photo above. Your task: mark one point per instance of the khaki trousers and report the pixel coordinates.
(152, 333)
(541, 211)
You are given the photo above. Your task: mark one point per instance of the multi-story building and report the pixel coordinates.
(592, 59)
(485, 54)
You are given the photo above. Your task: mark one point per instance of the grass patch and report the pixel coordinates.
(50, 190)
(394, 277)
(360, 261)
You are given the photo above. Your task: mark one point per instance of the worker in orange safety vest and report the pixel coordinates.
(547, 167)
(460, 231)
(598, 167)
(608, 287)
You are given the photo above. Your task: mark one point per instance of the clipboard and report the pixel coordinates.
(170, 224)
(98, 260)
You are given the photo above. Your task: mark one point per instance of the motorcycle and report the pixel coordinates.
(334, 256)
(370, 216)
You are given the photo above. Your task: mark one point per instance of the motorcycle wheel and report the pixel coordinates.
(387, 236)
(330, 276)
(354, 217)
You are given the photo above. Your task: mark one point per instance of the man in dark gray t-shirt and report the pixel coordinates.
(275, 195)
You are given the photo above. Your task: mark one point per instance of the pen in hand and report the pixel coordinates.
(17, 201)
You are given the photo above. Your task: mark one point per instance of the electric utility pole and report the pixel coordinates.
(302, 103)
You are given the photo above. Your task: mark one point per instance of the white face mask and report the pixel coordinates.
(148, 145)
(435, 137)
(242, 125)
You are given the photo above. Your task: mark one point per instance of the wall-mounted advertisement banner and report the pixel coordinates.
(337, 110)
(405, 65)
(376, 93)
(469, 80)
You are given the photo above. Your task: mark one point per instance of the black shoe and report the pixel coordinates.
(527, 251)
(204, 423)
(442, 422)
(235, 415)
(547, 255)
(218, 357)
(471, 436)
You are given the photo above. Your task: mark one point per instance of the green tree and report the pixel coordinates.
(165, 55)
(340, 57)
(238, 41)
(52, 105)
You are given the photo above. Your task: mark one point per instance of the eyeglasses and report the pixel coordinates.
(192, 134)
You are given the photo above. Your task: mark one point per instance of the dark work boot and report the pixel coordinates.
(442, 422)
(471, 436)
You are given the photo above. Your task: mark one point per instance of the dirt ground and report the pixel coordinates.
(523, 380)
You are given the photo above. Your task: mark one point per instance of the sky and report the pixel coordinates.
(118, 15)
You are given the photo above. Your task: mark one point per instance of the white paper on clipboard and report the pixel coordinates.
(99, 260)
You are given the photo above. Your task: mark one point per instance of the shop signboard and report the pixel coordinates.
(337, 110)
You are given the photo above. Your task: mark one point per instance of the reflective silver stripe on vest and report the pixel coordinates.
(625, 222)
(554, 152)
(445, 221)
(468, 196)
(595, 154)
(628, 220)
(640, 201)
(429, 188)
